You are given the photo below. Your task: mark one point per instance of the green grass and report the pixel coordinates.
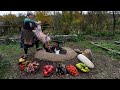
(111, 45)
(105, 43)
(108, 44)
(7, 65)
(12, 51)
(4, 66)
(85, 45)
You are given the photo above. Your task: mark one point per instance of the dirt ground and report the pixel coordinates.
(105, 68)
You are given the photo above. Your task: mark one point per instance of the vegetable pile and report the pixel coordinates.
(47, 70)
(27, 66)
(61, 70)
(82, 67)
(32, 67)
(72, 70)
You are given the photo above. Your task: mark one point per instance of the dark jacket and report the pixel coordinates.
(26, 24)
(62, 51)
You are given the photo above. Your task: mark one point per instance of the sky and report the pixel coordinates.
(13, 12)
(16, 12)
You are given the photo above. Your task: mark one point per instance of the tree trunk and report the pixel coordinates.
(54, 21)
(71, 19)
(114, 23)
(80, 27)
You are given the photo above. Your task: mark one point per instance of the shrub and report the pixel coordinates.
(81, 37)
(7, 40)
(102, 33)
(72, 38)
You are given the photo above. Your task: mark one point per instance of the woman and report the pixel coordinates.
(28, 38)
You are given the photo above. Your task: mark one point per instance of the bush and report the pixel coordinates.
(7, 40)
(89, 29)
(102, 33)
(72, 38)
(81, 37)
(57, 32)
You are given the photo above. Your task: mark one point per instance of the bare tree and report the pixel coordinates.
(54, 21)
(115, 18)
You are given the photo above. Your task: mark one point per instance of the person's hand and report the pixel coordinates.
(39, 22)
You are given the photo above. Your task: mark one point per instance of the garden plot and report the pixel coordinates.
(108, 46)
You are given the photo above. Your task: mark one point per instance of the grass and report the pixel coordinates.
(12, 51)
(109, 45)
(4, 66)
(7, 64)
(84, 42)
(95, 49)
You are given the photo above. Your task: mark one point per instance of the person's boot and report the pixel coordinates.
(25, 56)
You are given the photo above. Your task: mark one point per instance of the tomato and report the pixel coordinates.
(22, 67)
(47, 66)
(44, 67)
(72, 69)
(44, 70)
(49, 70)
(51, 67)
(45, 73)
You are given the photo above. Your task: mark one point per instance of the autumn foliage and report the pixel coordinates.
(65, 22)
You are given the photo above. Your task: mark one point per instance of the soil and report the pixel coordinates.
(105, 68)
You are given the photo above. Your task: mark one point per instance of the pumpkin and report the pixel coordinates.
(88, 54)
